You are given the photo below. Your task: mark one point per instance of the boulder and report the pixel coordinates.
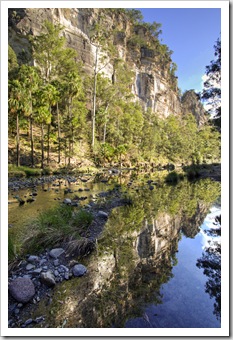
(67, 201)
(79, 270)
(33, 259)
(22, 289)
(102, 214)
(30, 266)
(56, 252)
(48, 278)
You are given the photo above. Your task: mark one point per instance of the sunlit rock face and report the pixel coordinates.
(191, 104)
(152, 83)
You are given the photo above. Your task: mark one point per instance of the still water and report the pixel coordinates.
(156, 264)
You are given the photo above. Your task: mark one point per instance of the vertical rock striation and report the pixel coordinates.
(154, 85)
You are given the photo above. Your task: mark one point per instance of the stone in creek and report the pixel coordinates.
(102, 214)
(79, 270)
(30, 266)
(28, 322)
(33, 258)
(22, 289)
(43, 261)
(67, 276)
(64, 267)
(56, 262)
(48, 279)
(67, 201)
(56, 252)
(36, 271)
(30, 200)
(56, 273)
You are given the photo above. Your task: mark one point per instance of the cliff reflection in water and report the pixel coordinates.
(135, 255)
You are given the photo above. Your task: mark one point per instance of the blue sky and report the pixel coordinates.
(191, 34)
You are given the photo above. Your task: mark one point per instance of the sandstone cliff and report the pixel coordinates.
(154, 84)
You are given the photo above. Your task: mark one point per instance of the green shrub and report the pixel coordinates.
(57, 225)
(20, 171)
(32, 172)
(16, 173)
(172, 177)
(46, 171)
(193, 172)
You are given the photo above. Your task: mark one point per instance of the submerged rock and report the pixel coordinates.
(67, 201)
(22, 289)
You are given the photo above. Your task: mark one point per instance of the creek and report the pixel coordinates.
(152, 267)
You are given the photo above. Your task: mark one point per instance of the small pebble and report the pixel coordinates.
(56, 262)
(28, 322)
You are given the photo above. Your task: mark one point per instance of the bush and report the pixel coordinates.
(32, 172)
(21, 171)
(82, 219)
(16, 173)
(172, 177)
(46, 171)
(193, 172)
(58, 225)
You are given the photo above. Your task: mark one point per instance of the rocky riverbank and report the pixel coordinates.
(33, 277)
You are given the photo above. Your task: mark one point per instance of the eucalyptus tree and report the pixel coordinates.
(105, 51)
(212, 86)
(111, 94)
(46, 50)
(52, 96)
(43, 116)
(30, 80)
(12, 63)
(72, 86)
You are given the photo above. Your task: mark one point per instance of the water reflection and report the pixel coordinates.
(211, 263)
(135, 256)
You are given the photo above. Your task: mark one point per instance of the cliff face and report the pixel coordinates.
(153, 84)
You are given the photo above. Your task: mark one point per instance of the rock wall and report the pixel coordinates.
(153, 86)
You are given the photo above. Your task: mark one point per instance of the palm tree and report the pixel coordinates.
(43, 116)
(52, 98)
(16, 106)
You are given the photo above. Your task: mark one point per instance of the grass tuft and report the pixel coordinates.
(58, 225)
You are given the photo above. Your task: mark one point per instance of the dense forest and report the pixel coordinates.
(59, 115)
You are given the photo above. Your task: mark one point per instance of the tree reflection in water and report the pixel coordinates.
(211, 263)
(135, 256)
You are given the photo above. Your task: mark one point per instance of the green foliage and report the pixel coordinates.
(12, 61)
(57, 93)
(81, 220)
(212, 86)
(58, 225)
(21, 171)
(46, 171)
(135, 15)
(172, 177)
